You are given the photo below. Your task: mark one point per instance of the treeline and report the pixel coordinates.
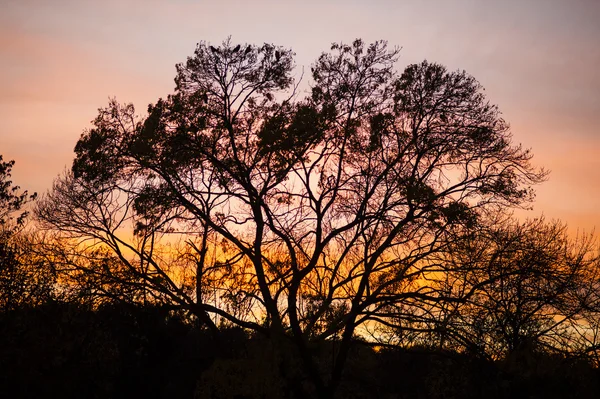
(122, 351)
(244, 240)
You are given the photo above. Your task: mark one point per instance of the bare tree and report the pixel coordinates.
(526, 288)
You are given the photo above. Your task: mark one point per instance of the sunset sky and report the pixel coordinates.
(539, 61)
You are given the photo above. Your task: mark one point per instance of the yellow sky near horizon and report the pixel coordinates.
(538, 60)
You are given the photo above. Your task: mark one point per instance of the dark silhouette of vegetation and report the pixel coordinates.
(244, 241)
(22, 282)
(120, 351)
(531, 290)
(12, 216)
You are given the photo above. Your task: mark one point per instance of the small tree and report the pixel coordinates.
(527, 287)
(299, 218)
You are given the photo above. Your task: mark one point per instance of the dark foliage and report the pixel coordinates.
(122, 351)
(70, 351)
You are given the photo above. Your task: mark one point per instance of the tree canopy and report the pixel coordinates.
(302, 217)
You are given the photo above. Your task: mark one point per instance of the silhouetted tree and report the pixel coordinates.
(301, 219)
(24, 280)
(527, 287)
(12, 217)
